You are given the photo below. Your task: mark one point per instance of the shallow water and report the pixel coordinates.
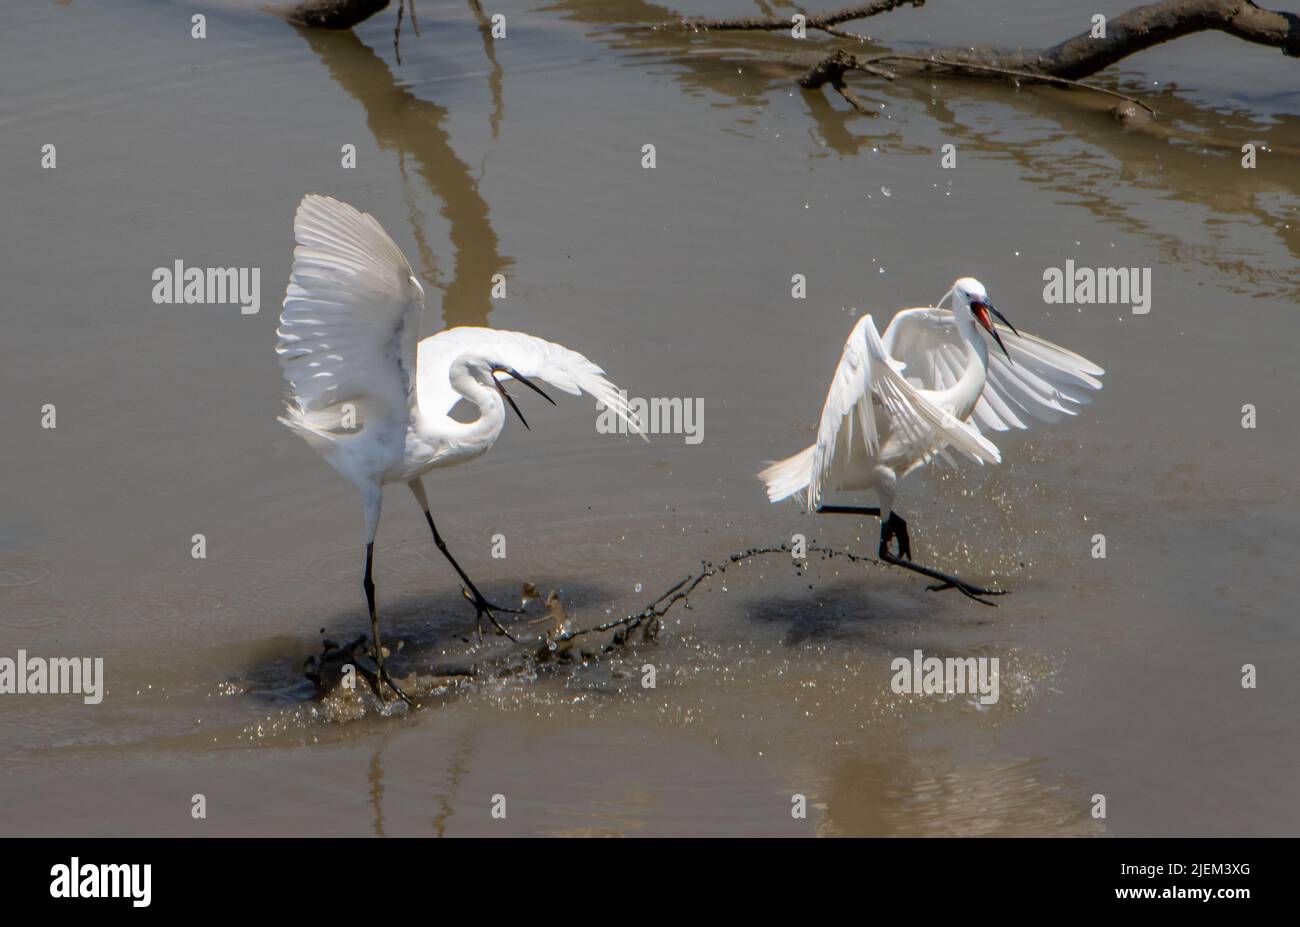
(1120, 676)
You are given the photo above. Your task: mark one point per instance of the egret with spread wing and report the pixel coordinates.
(375, 404)
(928, 386)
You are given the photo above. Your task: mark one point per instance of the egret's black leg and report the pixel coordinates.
(892, 527)
(481, 605)
(369, 584)
(849, 510)
(895, 527)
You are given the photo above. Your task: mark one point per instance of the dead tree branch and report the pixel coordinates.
(327, 670)
(831, 70)
(557, 645)
(1065, 63)
(1129, 33)
(825, 22)
(332, 14)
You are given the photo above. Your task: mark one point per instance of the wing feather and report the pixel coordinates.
(532, 357)
(1042, 381)
(350, 320)
(866, 375)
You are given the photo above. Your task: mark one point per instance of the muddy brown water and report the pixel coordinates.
(1120, 676)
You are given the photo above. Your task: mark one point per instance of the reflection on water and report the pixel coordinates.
(457, 766)
(375, 775)
(414, 129)
(742, 70)
(915, 792)
(498, 73)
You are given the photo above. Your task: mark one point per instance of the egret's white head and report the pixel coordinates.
(969, 295)
(968, 290)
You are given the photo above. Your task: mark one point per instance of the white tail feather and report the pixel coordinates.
(785, 478)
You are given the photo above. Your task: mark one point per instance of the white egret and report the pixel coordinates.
(927, 386)
(375, 406)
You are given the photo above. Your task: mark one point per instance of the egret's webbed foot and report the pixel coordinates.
(483, 607)
(387, 680)
(895, 527)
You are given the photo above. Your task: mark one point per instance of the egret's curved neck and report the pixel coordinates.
(482, 431)
(966, 392)
(970, 334)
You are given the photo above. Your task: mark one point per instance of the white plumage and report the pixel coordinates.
(928, 386)
(350, 320)
(897, 422)
(557, 365)
(1038, 381)
(374, 404)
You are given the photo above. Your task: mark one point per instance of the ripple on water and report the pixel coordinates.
(233, 572)
(23, 571)
(131, 610)
(33, 614)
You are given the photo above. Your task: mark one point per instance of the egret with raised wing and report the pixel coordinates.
(928, 386)
(378, 407)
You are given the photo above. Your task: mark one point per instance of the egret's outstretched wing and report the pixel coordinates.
(532, 357)
(1042, 381)
(866, 376)
(350, 321)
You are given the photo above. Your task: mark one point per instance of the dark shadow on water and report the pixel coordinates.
(842, 611)
(866, 611)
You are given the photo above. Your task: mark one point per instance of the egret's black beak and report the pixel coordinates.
(1003, 319)
(981, 312)
(522, 379)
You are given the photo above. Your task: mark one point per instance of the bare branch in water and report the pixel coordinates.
(822, 21)
(344, 14)
(331, 14)
(1138, 29)
(397, 32)
(831, 70)
(554, 645)
(1061, 65)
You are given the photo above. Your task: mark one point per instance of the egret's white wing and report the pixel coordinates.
(532, 357)
(350, 321)
(1042, 381)
(866, 375)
